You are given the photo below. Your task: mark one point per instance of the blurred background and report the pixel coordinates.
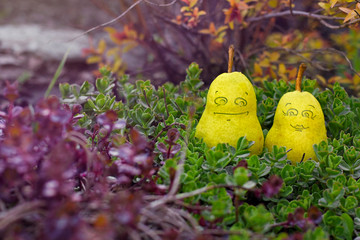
(158, 39)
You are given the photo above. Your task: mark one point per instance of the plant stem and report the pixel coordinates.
(299, 77)
(231, 58)
(57, 74)
(20, 211)
(166, 107)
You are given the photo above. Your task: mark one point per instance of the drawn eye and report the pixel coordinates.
(240, 101)
(308, 114)
(291, 112)
(220, 100)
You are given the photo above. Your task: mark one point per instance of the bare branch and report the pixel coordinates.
(168, 198)
(343, 55)
(18, 212)
(109, 22)
(148, 231)
(120, 16)
(319, 17)
(161, 5)
(309, 61)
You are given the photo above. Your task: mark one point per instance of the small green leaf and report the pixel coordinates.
(64, 89)
(101, 84)
(85, 87)
(241, 176)
(91, 104)
(351, 202)
(348, 224)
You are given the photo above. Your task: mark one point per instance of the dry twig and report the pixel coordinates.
(318, 17)
(18, 212)
(120, 16)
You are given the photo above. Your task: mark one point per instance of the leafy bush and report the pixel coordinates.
(116, 160)
(271, 37)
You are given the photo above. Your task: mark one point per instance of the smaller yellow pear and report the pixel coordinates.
(230, 113)
(298, 124)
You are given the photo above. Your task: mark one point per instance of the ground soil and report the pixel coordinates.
(37, 71)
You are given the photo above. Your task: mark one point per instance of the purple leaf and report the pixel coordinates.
(272, 186)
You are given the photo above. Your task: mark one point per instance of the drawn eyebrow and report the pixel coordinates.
(287, 104)
(246, 93)
(311, 106)
(216, 92)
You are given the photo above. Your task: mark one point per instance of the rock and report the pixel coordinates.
(31, 53)
(50, 44)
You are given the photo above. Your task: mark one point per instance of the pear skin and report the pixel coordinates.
(298, 125)
(230, 113)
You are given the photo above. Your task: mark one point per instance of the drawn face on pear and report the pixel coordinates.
(231, 96)
(300, 117)
(231, 104)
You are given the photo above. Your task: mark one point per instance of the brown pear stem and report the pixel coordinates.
(299, 77)
(231, 58)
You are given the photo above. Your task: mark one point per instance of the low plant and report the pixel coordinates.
(119, 160)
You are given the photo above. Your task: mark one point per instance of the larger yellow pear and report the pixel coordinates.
(298, 124)
(230, 113)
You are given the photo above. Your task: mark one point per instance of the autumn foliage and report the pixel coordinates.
(271, 38)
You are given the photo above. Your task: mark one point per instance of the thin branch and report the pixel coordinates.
(161, 5)
(166, 128)
(244, 64)
(180, 169)
(18, 212)
(120, 16)
(291, 9)
(357, 12)
(146, 99)
(187, 216)
(180, 166)
(309, 61)
(166, 107)
(190, 206)
(343, 55)
(222, 232)
(295, 13)
(109, 22)
(319, 17)
(180, 196)
(148, 231)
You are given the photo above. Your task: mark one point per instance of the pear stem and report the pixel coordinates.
(299, 77)
(231, 58)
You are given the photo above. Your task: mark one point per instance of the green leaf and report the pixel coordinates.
(331, 219)
(286, 191)
(91, 104)
(100, 100)
(241, 176)
(223, 162)
(85, 87)
(64, 89)
(253, 163)
(75, 89)
(351, 202)
(101, 85)
(348, 224)
(316, 234)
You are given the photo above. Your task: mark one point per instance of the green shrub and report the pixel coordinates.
(250, 196)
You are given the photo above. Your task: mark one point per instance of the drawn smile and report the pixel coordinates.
(241, 113)
(299, 127)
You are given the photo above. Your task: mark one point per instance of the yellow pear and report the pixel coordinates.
(230, 113)
(298, 124)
